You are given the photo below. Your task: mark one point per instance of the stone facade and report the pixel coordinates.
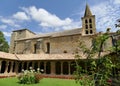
(52, 45)
(18, 34)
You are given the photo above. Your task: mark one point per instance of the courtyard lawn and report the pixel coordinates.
(43, 82)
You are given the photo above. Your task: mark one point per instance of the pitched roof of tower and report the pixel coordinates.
(23, 30)
(87, 11)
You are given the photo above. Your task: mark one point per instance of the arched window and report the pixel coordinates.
(58, 68)
(91, 31)
(86, 26)
(65, 68)
(48, 68)
(90, 20)
(42, 68)
(25, 65)
(35, 66)
(90, 25)
(3, 66)
(9, 67)
(19, 67)
(30, 65)
(72, 67)
(86, 21)
(13, 70)
(48, 47)
(35, 48)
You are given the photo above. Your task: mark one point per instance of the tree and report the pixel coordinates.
(97, 71)
(3, 43)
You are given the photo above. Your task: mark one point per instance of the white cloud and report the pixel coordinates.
(3, 26)
(45, 18)
(106, 15)
(50, 22)
(9, 22)
(115, 1)
(7, 34)
(73, 25)
(21, 16)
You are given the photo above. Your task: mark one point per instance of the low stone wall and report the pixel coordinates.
(58, 76)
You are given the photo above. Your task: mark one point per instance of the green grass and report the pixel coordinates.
(43, 82)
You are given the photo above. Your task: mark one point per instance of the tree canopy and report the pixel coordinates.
(3, 43)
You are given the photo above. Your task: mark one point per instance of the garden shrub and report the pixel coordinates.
(29, 76)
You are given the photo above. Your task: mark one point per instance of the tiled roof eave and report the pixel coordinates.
(30, 57)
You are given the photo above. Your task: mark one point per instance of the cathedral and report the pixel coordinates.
(51, 52)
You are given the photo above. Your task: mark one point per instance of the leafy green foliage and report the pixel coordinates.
(97, 72)
(3, 43)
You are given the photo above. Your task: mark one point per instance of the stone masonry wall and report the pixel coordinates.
(58, 45)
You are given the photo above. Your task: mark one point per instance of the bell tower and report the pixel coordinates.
(88, 22)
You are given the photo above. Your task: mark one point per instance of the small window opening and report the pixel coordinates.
(90, 20)
(86, 21)
(90, 25)
(86, 26)
(91, 32)
(48, 47)
(86, 32)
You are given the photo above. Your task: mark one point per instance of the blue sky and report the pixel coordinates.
(43, 16)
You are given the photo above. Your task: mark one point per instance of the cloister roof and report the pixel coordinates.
(29, 57)
(4, 55)
(46, 57)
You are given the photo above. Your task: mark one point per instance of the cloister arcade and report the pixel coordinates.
(48, 67)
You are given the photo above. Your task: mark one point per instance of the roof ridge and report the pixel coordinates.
(73, 31)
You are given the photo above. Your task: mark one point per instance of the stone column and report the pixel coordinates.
(69, 68)
(52, 67)
(61, 68)
(11, 68)
(44, 67)
(33, 65)
(16, 67)
(6, 67)
(0, 65)
(22, 65)
(27, 65)
(39, 65)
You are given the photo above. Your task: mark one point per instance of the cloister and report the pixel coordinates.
(49, 67)
(14, 64)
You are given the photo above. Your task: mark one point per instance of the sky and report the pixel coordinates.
(44, 16)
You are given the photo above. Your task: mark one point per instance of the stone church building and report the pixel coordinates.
(52, 52)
